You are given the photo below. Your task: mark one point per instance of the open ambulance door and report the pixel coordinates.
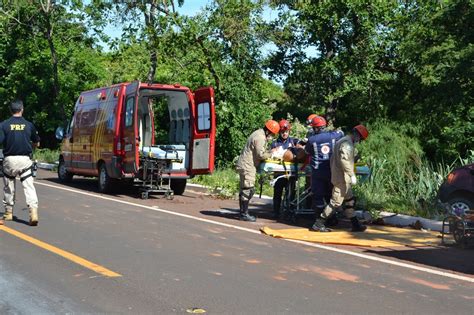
(204, 132)
(130, 137)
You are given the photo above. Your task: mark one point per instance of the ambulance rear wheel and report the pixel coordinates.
(178, 186)
(104, 180)
(63, 174)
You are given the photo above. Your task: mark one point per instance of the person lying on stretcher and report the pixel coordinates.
(285, 148)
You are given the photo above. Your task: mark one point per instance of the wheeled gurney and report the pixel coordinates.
(155, 163)
(296, 200)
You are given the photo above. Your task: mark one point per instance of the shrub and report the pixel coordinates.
(402, 180)
(46, 155)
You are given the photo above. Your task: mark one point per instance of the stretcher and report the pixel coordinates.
(296, 196)
(460, 226)
(155, 164)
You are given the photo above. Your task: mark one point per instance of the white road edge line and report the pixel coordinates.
(333, 249)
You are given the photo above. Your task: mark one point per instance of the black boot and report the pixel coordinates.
(356, 226)
(276, 210)
(332, 220)
(244, 212)
(319, 226)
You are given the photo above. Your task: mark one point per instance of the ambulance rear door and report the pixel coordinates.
(130, 138)
(204, 132)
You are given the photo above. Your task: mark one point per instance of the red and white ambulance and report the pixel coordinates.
(113, 127)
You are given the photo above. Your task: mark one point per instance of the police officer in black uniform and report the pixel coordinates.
(18, 137)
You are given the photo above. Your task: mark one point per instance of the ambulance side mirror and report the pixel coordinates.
(59, 133)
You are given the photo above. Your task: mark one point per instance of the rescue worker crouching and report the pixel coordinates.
(320, 147)
(252, 154)
(286, 142)
(343, 177)
(18, 137)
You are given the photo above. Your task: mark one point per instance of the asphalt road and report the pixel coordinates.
(94, 253)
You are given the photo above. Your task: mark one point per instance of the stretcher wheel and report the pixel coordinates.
(287, 216)
(282, 216)
(458, 236)
(293, 218)
(144, 195)
(170, 195)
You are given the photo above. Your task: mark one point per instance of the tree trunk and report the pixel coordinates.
(331, 108)
(153, 43)
(153, 64)
(54, 62)
(210, 67)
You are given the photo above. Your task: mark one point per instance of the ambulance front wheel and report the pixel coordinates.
(63, 174)
(105, 182)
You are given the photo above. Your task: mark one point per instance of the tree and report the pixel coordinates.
(142, 21)
(406, 61)
(228, 37)
(48, 57)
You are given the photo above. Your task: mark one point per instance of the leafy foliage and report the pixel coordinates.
(404, 68)
(407, 62)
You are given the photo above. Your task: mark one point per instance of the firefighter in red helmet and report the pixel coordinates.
(287, 143)
(343, 177)
(320, 147)
(252, 154)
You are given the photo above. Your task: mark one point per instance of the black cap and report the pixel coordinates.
(16, 106)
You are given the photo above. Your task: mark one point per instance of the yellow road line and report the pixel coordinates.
(65, 254)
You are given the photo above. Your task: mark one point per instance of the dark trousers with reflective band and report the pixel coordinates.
(280, 185)
(321, 188)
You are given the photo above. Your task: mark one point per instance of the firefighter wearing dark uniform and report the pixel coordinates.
(252, 154)
(18, 137)
(286, 142)
(320, 147)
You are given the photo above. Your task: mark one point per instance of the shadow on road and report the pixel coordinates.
(222, 213)
(449, 258)
(18, 220)
(262, 212)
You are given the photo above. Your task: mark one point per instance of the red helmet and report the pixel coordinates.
(318, 121)
(362, 131)
(284, 125)
(310, 118)
(272, 126)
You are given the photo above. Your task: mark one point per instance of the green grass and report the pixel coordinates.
(46, 155)
(224, 183)
(402, 181)
(409, 189)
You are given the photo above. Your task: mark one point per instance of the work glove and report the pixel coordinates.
(353, 180)
(277, 153)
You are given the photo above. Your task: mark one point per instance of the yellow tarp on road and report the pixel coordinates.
(374, 236)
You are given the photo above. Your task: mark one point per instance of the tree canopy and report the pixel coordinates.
(354, 61)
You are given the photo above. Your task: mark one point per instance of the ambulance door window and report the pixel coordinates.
(129, 112)
(204, 116)
(70, 125)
